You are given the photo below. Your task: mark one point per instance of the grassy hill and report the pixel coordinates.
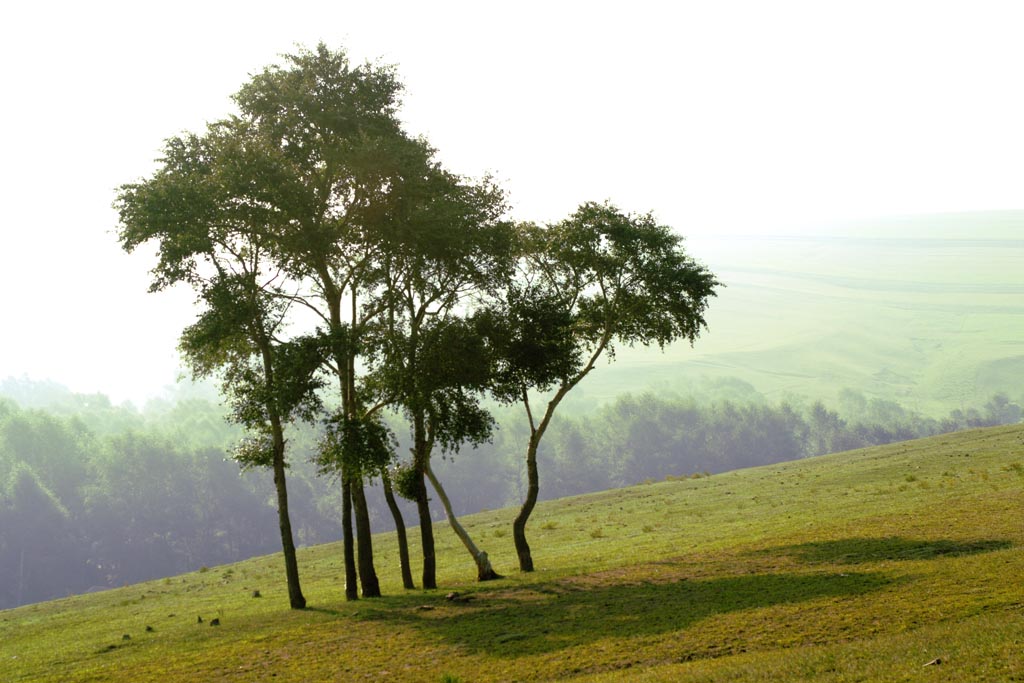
(864, 565)
(924, 310)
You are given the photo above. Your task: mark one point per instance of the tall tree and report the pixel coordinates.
(308, 165)
(445, 245)
(332, 149)
(597, 278)
(439, 383)
(213, 237)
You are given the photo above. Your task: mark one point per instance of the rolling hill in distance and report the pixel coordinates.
(890, 563)
(927, 311)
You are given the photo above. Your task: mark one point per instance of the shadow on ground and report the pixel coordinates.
(553, 616)
(864, 550)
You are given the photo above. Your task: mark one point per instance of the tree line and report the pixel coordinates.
(88, 502)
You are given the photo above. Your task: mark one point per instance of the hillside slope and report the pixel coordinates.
(864, 565)
(924, 310)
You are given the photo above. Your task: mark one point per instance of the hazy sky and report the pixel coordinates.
(719, 116)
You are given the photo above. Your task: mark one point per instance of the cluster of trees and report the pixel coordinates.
(342, 272)
(95, 495)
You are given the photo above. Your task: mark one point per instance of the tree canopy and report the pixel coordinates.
(595, 279)
(343, 272)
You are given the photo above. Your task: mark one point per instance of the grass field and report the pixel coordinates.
(862, 566)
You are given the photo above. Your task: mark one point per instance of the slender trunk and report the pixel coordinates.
(354, 497)
(291, 564)
(351, 580)
(484, 570)
(532, 490)
(403, 542)
(333, 298)
(536, 434)
(426, 534)
(21, 580)
(420, 456)
(364, 541)
(364, 537)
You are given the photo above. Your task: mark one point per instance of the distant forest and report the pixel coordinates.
(94, 495)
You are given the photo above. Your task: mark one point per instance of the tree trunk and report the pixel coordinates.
(364, 541)
(484, 570)
(351, 580)
(532, 490)
(291, 565)
(420, 453)
(403, 542)
(536, 434)
(426, 534)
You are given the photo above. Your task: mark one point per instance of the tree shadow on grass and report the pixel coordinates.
(549, 617)
(864, 550)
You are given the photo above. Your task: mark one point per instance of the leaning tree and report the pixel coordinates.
(599, 278)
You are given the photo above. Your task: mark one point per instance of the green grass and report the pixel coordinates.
(862, 566)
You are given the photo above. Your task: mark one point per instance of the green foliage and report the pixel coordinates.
(532, 341)
(360, 446)
(407, 480)
(99, 510)
(628, 276)
(253, 451)
(597, 278)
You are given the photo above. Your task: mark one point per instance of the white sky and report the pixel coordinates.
(719, 116)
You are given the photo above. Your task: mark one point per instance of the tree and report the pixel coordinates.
(331, 154)
(597, 278)
(56, 450)
(445, 243)
(40, 551)
(365, 445)
(211, 239)
(1001, 411)
(440, 381)
(306, 168)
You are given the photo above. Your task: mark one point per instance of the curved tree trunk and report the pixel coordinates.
(484, 570)
(364, 541)
(351, 580)
(536, 434)
(403, 542)
(532, 490)
(291, 564)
